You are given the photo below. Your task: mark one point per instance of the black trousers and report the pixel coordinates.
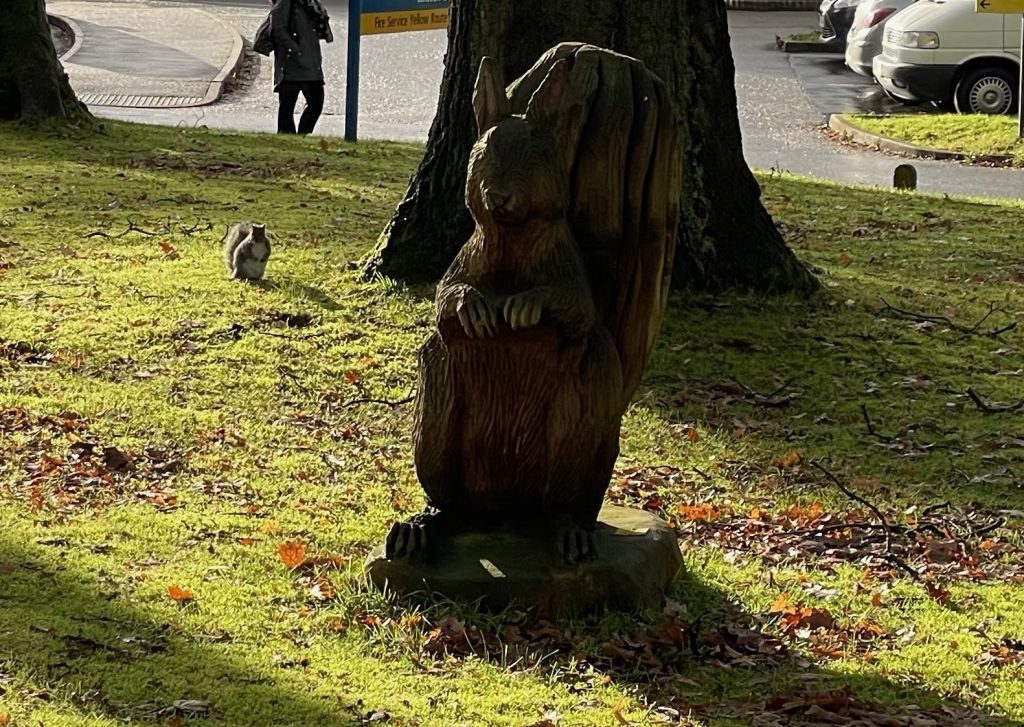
(288, 95)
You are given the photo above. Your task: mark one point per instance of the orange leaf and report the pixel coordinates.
(692, 434)
(292, 553)
(792, 459)
(617, 711)
(876, 599)
(4, 720)
(351, 377)
(169, 252)
(702, 513)
(868, 630)
(180, 595)
(780, 604)
(245, 541)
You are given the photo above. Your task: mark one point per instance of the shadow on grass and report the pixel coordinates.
(704, 657)
(97, 654)
(297, 291)
(847, 382)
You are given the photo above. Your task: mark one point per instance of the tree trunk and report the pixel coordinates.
(33, 84)
(726, 237)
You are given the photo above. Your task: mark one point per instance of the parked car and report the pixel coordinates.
(836, 19)
(864, 41)
(945, 52)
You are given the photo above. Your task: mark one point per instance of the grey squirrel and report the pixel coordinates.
(246, 250)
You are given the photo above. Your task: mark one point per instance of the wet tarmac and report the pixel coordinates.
(784, 100)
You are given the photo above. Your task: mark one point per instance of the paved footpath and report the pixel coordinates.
(136, 55)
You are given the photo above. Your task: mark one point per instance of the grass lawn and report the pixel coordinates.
(979, 135)
(173, 441)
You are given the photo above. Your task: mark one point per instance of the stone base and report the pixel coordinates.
(638, 557)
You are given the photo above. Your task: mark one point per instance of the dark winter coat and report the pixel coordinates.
(296, 43)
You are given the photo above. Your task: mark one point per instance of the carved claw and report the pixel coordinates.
(478, 319)
(576, 544)
(523, 310)
(405, 539)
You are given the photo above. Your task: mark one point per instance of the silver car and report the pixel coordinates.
(864, 41)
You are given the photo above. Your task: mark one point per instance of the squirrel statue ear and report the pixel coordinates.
(549, 98)
(565, 96)
(490, 104)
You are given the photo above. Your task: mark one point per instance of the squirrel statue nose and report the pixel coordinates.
(498, 201)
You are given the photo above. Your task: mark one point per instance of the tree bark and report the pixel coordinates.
(33, 84)
(726, 237)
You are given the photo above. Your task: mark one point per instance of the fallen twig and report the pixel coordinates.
(888, 555)
(871, 427)
(967, 331)
(385, 402)
(993, 408)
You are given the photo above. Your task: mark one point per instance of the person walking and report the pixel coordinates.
(296, 28)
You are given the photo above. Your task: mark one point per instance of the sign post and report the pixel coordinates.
(372, 17)
(1010, 7)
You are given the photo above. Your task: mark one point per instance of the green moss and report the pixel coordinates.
(246, 436)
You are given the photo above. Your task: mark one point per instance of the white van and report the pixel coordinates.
(944, 51)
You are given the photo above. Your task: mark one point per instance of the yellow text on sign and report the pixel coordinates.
(401, 21)
(1000, 6)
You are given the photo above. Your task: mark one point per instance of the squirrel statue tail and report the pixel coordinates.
(626, 183)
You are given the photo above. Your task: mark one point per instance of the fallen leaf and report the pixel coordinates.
(116, 460)
(324, 145)
(617, 711)
(292, 552)
(351, 377)
(180, 595)
(792, 459)
(940, 594)
(169, 252)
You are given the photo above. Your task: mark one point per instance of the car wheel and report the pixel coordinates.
(986, 91)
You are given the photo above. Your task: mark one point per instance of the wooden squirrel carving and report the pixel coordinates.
(522, 388)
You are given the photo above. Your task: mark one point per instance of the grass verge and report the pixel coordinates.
(978, 135)
(192, 469)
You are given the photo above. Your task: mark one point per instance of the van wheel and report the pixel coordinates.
(986, 91)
